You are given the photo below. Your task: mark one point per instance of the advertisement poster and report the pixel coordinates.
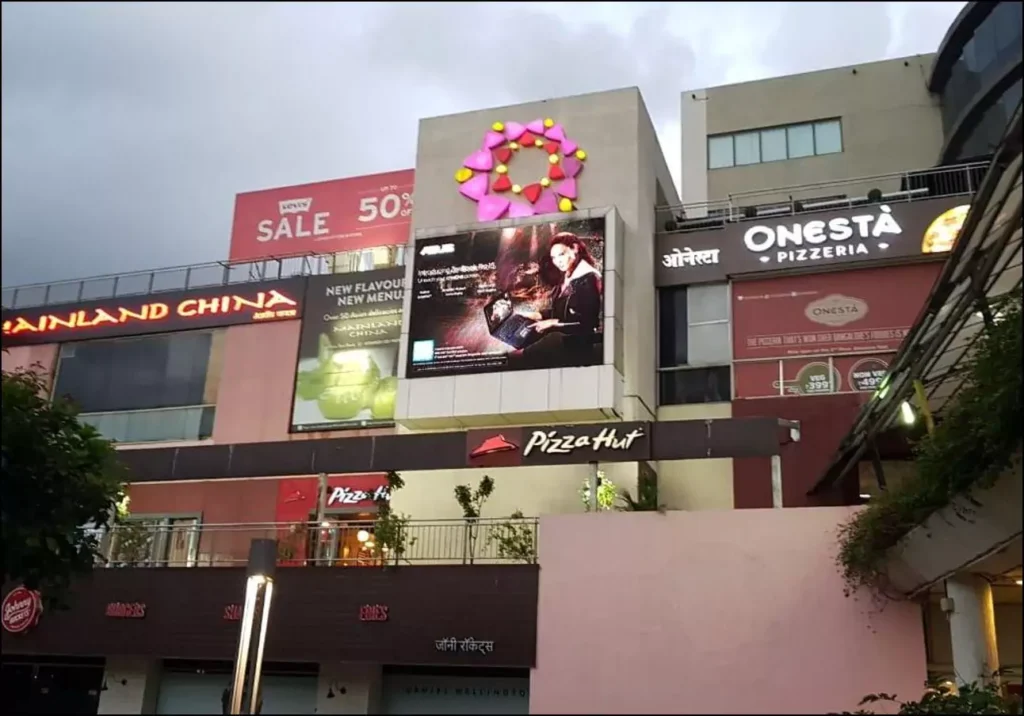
(867, 311)
(517, 298)
(811, 376)
(325, 217)
(347, 374)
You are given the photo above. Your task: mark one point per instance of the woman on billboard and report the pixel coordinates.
(575, 297)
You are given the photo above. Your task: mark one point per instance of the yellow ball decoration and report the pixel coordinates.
(581, 155)
(549, 123)
(498, 126)
(516, 189)
(538, 142)
(553, 158)
(463, 175)
(501, 169)
(545, 181)
(513, 146)
(564, 205)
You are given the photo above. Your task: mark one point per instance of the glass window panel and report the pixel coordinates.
(720, 152)
(672, 327)
(709, 344)
(800, 140)
(707, 303)
(828, 137)
(773, 145)
(748, 148)
(700, 385)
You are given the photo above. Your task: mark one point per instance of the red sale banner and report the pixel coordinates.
(325, 217)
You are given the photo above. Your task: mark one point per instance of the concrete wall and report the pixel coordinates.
(890, 124)
(724, 612)
(29, 356)
(696, 484)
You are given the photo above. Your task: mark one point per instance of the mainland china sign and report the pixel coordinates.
(863, 233)
(558, 444)
(155, 313)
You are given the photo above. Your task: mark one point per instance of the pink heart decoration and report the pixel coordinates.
(514, 130)
(569, 146)
(493, 139)
(491, 208)
(475, 188)
(519, 210)
(546, 204)
(567, 189)
(536, 126)
(480, 161)
(571, 166)
(556, 133)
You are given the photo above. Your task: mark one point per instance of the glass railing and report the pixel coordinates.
(193, 422)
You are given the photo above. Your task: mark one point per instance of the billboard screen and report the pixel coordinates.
(325, 217)
(823, 239)
(162, 312)
(347, 374)
(514, 298)
(824, 333)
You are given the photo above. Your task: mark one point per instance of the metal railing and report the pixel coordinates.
(334, 542)
(959, 180)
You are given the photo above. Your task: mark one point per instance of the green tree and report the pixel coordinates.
(61, 481)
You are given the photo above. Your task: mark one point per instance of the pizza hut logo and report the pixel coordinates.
(21, 610)
(492, 446)
(348, 496)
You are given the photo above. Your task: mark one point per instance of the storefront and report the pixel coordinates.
(455, 691)
(189, 687)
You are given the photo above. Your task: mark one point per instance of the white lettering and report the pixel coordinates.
(786, 237)
(688, 257)
(552, 443)
(348, 496)
(437, 249)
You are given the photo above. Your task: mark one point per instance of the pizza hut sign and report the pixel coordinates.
(21, 609)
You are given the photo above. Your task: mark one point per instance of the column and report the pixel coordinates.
(972, 628)
(132, 685)
(346, 688)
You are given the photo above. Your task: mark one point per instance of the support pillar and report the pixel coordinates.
(972, 629)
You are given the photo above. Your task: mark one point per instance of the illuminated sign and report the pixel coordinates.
(155, 313)
(21, 610)
(126, 610)
(557, 445)
(373, 613)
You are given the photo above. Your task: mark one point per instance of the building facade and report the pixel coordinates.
(554, 317)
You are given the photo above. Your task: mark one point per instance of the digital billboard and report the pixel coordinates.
(323, 217)
(513, 298)
(347, 374)
(161, 312)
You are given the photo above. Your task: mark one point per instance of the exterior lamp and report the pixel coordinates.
(362, 535)
(259, 591)
(907, 413)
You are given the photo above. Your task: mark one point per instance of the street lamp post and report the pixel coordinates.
(259, 590)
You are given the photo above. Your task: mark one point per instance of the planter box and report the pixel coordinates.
(959, 536)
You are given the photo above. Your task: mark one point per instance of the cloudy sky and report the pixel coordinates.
(128, 128)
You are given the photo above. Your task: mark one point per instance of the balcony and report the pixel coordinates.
(332, 543)
(920, 185)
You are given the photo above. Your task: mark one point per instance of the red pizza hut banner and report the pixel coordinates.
(297, 497)
(21, 610)
(325, 217)
(163, 312)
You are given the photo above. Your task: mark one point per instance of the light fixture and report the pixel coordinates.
(259, 591)
(362, 535)
(368, 544)
(1020, 582)
(865, 496)
(907, 413)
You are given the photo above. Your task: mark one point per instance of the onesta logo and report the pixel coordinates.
(437, 249)
(818, 239)
(836, 310)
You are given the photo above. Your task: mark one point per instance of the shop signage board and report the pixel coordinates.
(21, 609)
(558, 444)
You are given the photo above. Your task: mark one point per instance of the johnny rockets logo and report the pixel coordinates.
(264, 305)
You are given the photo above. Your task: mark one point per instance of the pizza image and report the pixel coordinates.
(941, 234)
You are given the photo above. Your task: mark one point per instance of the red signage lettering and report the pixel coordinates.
(272, 304)
(233, 613)
(126, 610)
(373, 613)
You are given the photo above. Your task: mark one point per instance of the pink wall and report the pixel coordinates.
(254, 399)
(738, 611)
(26, 356)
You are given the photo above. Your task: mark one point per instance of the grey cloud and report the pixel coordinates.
(129, 128)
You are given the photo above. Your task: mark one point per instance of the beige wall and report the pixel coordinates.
(1008, 613)
(890, 124)
(695, 484)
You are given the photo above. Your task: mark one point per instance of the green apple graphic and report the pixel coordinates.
(383, 407)
(350, 381)
(309, 383)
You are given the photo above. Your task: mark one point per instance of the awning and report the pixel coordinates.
(984, 265)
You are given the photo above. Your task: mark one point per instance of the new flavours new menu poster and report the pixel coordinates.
(347, 373)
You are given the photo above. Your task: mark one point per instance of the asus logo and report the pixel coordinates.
(437, 249)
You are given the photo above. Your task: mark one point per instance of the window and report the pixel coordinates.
(775, 144)
(153, 542)
(694, 344)
(146, 389)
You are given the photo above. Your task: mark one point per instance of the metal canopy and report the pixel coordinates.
(984, 265)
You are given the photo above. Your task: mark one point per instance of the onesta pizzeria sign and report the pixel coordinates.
(155, 313)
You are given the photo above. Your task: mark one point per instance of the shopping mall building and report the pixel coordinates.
(555, 315)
